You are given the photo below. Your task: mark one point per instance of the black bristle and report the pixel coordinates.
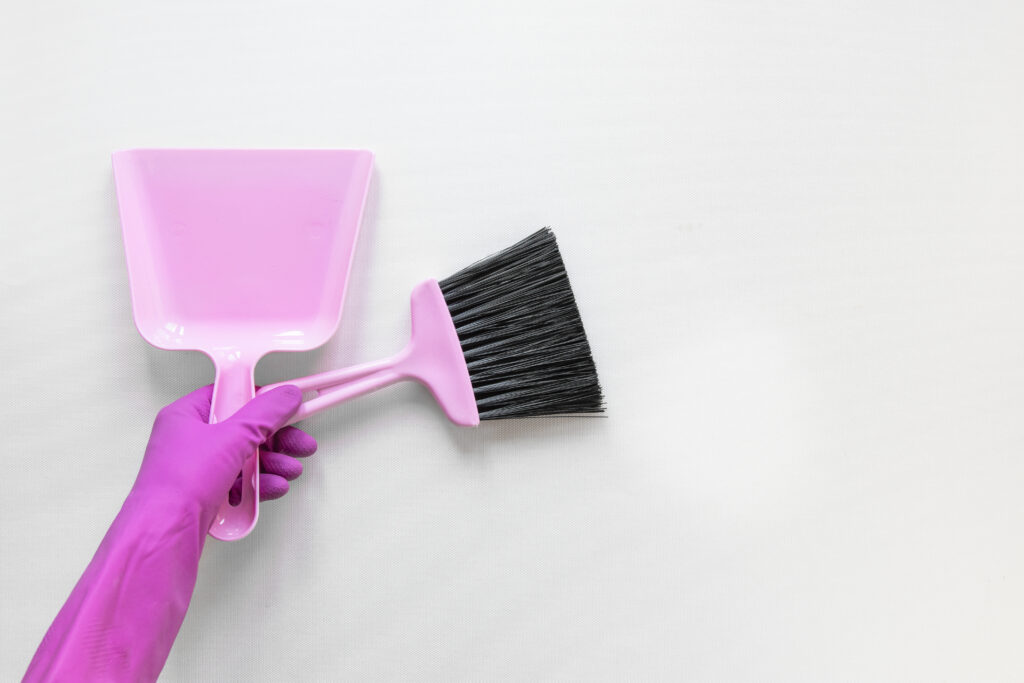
(521, 333)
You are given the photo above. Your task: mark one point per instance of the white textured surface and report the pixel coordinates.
(795, 231)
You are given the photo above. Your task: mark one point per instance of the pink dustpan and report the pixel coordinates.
(237, 253)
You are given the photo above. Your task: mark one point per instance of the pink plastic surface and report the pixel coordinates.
(433, 357)
(237, 253)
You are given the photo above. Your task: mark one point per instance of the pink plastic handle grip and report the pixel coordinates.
(337, 386)
(233, 387)
(433, 357)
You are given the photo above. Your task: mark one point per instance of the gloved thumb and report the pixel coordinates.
(265, 414)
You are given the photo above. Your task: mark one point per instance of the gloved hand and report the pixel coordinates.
(122, 617)
(199, 460)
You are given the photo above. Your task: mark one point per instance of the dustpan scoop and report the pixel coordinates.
(237, 253)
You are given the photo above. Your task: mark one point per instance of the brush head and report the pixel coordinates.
(521, 333)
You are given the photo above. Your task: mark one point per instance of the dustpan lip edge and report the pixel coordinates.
(129, 150)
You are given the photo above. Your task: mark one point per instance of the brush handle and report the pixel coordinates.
(433, 357)
(337, 386)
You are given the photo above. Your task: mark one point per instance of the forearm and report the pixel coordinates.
(121, 619)
(123, 615)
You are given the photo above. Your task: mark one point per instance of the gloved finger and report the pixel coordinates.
(235, 492)
(195, 403)
(265, 414)
(272, 487)
(293, 441)
(280, 464)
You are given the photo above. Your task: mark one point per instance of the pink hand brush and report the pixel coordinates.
(500, 339)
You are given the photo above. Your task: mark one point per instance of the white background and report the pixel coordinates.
(795, 230)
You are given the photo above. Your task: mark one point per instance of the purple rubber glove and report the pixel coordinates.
(123, 615)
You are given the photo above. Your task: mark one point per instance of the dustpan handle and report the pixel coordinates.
(233, 387)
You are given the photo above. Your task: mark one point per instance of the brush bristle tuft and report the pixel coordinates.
(522, 335)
